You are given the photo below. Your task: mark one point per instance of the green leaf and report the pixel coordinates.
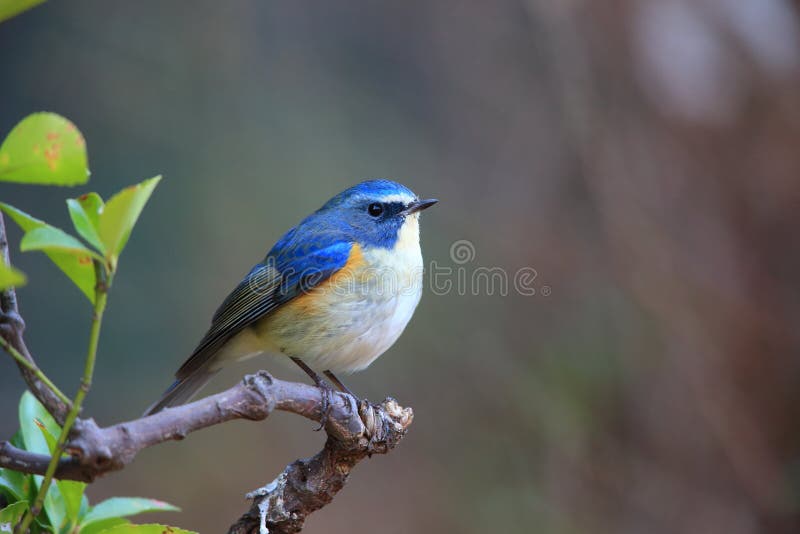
(71, 490)
(11, 277)
(12, 8)
(11, 514)
(146, 529)
(54, 505)
(79, 269)
(16, 439)
(25, 221)
(85, 214)
(50, 238)
(13, 484)
(41, 525)
(125, 506)
(84, 507)
(120, 214)
(20, 484)
(31, 415)
(48, 436)
(102, 526)
(44, 148)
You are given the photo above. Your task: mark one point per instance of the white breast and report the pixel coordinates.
(381, 305)
(393, 302)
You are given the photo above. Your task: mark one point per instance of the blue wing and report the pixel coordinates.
(293, 266)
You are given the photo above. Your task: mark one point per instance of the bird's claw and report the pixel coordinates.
(327, 404)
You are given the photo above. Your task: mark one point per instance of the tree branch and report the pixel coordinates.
(304, 486)
(11, 329)
(353, 431)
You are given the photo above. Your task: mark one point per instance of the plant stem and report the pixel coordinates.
(32, 367)
(101, 294)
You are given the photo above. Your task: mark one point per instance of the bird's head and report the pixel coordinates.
(378, 213)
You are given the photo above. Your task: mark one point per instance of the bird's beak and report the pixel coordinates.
(419, 205)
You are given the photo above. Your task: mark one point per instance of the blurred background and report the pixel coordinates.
(637, 160)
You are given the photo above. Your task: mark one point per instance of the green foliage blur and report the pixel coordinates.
(45, 148)
(67, 509)
(11, 8)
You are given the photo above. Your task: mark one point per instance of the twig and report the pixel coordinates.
(101, 296)
(8, 297)
(31, 366)
(11, 329)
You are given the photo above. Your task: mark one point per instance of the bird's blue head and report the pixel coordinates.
(374, 212)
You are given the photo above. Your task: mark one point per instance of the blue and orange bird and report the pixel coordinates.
(333, 294)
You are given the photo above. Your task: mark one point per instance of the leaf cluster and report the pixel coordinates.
(66, 507)
(45, 148)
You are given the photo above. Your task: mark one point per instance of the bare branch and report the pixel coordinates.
(8, 298)
(95, 451)
(304, 486)
(11, 329)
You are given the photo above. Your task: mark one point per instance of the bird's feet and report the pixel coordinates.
(327, 391)
(339, 384)
(327, 403)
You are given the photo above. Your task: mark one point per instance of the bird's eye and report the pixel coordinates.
(375, 209)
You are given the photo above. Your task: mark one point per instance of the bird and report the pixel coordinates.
(333, 294)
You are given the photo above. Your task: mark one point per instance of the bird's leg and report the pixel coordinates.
(318, 381)
(338, 383)
(327, 392)
(362, 405)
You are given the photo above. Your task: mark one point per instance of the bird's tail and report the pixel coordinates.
(182, 390)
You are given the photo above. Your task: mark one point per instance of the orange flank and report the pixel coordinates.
(341, 280)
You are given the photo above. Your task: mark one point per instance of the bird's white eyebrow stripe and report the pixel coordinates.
(405, 199)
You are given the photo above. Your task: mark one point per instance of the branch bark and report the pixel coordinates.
(282, 506)
(95, 450)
